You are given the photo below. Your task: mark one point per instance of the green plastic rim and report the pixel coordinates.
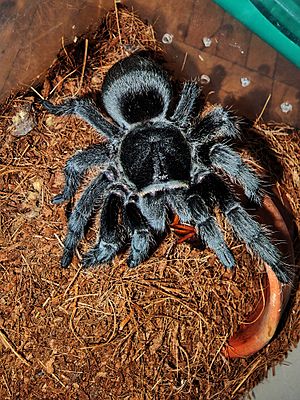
(277, 22)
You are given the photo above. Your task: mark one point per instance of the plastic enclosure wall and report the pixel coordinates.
(277, 22)
(32, 32)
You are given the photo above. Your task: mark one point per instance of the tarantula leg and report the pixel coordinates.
(142, 242)
(77, 166)
(80, 216)
(252, 233)
(223, 157)
(153, 208)
(216, 124)
(112, 236)
(85, 109)
(186, 106)
(209, 231)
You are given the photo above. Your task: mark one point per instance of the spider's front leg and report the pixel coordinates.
(223, 157)
(255, 237)
(208, 229)
(196, 209)
(113, 235)
(221, 124)
(77, 166)
(143, 240)
(187, 105)
(218, 123)
(153, 208)
(248, 230)
(86, 110)
(80, 216)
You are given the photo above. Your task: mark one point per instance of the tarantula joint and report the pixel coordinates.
(159, 157)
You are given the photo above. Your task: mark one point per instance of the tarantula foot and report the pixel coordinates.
(101, 254)
(141, 245)
(133, 262)
(256, 196)
(61, 109)
(226, 257)
(59, 198)
(66, 258)
(48, 106)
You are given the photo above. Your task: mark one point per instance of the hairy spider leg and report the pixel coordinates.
(88, 203)
(143, 241)
(209, 230)
(113, 236)
(218, 123)
(223, 157)
(86, 110)
(153, 207)
(187, 104)
(76, 167)
(248, 230)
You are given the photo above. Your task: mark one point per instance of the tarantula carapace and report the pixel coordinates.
(159, 157)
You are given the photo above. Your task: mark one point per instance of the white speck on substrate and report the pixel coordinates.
(245, 81)
(286, 107)
(204, 79)
(207, 41)
(167, 38)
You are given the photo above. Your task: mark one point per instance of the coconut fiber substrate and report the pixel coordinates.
(153, 332)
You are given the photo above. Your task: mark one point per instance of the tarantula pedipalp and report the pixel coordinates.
(158, 158)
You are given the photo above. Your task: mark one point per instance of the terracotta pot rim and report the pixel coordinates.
(261, 326)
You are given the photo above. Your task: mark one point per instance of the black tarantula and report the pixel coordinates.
(158, 158)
